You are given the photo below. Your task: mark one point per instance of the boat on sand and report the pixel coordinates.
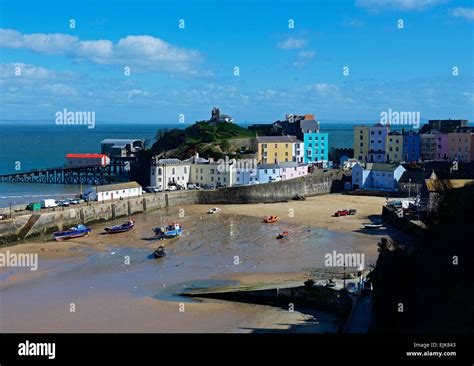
(126, 226)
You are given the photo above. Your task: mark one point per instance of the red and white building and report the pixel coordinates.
(86, 160)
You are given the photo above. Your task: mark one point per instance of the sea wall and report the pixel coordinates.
(46, 221)
(310, 185)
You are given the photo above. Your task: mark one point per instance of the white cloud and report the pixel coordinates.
(302, 58)
(138, 52)
(292, 43)
(460, 12)
(379, 5)
(17, 71)
(322, 89)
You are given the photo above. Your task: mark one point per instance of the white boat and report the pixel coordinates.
(214, 210)
(373, 226)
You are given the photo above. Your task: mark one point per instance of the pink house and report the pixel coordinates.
(461, 146)
(292, 170)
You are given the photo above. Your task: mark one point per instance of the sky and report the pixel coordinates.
(159, 61)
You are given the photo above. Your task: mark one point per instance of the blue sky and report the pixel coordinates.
(282, 70)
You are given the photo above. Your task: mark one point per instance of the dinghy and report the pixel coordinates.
(270, 219)
(160, 252)
(283, 234)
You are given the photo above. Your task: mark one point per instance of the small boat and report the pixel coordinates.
(73, 232)
(126, 226)
(270, 219)
(373, 226)
(283, 234)
(170, 231)
(160, 252)
(214, 210)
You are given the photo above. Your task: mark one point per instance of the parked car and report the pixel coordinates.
(345, 212)
(74, 201)
(214, 210)
(254, 182)
(3, 217)
(171, 188)
(192, 186)
(148, 189)
(63, 203)
(207, 186)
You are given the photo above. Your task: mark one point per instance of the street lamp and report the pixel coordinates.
(409, 188)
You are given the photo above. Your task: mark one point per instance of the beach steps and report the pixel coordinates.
(29, 224)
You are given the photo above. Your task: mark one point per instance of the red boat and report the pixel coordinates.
(270, 219)
(283, 234)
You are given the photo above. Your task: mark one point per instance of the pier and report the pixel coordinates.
(98, 175)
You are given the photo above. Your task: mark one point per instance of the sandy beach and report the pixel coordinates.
(110, 295)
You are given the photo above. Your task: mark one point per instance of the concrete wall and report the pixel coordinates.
(61, 218)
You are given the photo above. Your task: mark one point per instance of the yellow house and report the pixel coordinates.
(277, 149)
(361, 143)
(394, 148)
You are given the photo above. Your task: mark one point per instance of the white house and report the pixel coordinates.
(166, 171)
(113, 191)
(378, 176)
(298, 151)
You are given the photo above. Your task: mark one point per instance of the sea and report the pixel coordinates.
(27, 145)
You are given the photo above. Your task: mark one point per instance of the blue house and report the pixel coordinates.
(269, 173)
(411, 146)
(316, 147)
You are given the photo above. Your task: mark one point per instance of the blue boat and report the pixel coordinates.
(74, 232)
(172, 230)
(126, 226)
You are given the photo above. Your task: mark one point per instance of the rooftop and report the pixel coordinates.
(116, 187)
(119, 141)
(276, 139)
(85, 156)
(439, 185)
(381, 167)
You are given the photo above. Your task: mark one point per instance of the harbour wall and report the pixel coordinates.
(45, 222)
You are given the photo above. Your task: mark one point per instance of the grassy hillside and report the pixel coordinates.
(210, 140)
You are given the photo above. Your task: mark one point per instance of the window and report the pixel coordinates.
(286, 145)
(185, 170)
(173, 171)
(276, 146)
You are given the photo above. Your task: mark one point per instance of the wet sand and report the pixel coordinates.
(112, 296)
